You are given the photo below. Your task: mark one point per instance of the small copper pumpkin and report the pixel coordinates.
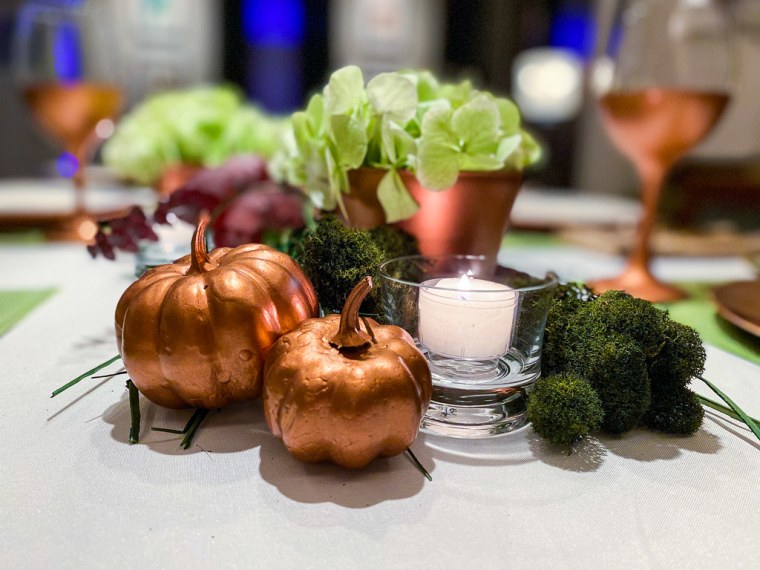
(196, 332)
(335, 392)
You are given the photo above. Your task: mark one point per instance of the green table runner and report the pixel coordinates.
(17, 237)
(698, 311)
(15, 305)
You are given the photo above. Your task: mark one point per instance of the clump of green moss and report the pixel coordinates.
(336, 257)
(568, 299)
(564, 408)
(675, 410)
(637, 360)
(616, 367)
(680, 358)
(394, 242)
(618, 312)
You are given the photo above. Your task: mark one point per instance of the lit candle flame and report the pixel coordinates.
(464, 284)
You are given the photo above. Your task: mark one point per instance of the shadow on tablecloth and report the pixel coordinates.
(241, 427)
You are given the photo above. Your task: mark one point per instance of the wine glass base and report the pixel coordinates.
(641, 284)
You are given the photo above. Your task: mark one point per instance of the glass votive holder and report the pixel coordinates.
(174, 241)
(480, 326)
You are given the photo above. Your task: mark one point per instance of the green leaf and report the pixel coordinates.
(350, 139)
(302, 132)
(480, 162)
(405, 145)
(509, 115)
(395, 198)
(476, 125)
(394, 96)
(315, 117)
(333, 172)
(396, 142)
(427, 86)
(528, 153)
(507, 147)
(345, 90)
(387, 141)
(318, 180)
(338, 183)
(457, 94)
(437, 165)
(436, 126)
(530, 147)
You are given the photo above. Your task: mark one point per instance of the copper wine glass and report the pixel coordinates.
(64, 64)
(662, 83)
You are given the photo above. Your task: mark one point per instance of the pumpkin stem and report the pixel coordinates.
(349, 334)
(198, 254)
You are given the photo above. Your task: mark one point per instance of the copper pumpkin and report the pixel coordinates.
(335, 392)
(196, 332)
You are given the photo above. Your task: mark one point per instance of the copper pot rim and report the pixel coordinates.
(503, 173)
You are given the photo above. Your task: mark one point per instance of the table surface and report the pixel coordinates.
(75, 494)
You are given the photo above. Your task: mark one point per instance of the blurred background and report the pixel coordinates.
(535, 51)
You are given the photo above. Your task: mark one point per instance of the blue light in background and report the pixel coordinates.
(573, 28)
(67, 53)
(67, 164)
(274, 31)
(274, 22)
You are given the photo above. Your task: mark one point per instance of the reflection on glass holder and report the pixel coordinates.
(173, 242)
(480, 327)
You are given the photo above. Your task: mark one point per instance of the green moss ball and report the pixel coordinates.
(336, 258)
(616, 312)
(680, 358)
(558, 336)
(675, 410)
(564, 408)
(615, 366)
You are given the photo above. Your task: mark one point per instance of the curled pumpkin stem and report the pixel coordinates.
(198, 255)
(349, 335)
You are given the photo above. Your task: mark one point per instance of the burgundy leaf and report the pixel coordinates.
(263, 207)
(210, 188)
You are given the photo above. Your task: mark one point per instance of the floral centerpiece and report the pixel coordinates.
(402, 122)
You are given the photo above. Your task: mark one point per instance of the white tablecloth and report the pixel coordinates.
(75, 494)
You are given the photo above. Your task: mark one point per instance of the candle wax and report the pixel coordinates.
(466, 318)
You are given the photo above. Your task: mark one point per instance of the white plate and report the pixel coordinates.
(23, 197)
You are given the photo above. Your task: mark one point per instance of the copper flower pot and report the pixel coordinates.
(468, 218)
(175, 175)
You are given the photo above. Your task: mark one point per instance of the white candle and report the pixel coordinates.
(466, 317)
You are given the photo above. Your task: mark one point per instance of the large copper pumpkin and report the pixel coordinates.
(196, 332)
(335, 392)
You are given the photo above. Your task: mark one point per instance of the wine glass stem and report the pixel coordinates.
(78, 179)
(652, 178)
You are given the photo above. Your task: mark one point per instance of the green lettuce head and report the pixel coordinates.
(202, 125)
(403, 120)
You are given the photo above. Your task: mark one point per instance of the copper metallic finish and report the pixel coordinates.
(468, 218)
(196, 332)
(334, 392)
(637, 278)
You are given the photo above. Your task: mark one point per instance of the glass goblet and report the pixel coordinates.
(65, 68)
(666, 70)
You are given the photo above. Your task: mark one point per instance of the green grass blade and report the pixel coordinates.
(85, 375)
(134, 412)
(742, 416)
